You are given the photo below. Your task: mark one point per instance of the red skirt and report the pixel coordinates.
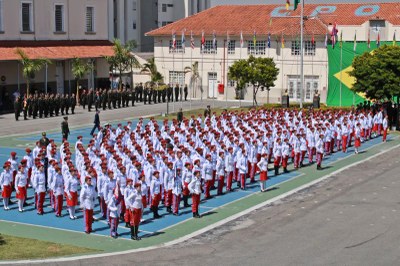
(22, 193)
(375, 127)
(357, 142)
(263, 176)
(73, 201)
(6, 191)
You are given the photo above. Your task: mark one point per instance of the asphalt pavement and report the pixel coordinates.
(351, 218)
(8, 125)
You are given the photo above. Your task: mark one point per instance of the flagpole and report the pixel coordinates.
(191, 65)
(341, 61)
(183, 68)
(215, 51)
(301, 54)
(226, 74)
(240, 58)
(354, 54)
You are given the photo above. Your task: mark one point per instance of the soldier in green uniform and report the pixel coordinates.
(109, 98)
(65, 128)
(57, 104)
(62, 104)
(72, 101)
(83, 99)
(114, 99)
(35, 106)
(30, 105)
(41, 105)
(46, 105)
(17, 108)
(66, 103)
(104, 99)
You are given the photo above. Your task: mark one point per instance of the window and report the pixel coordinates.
(1, 16)
(59, 18)
(209, 47)
(170, 5)
(178, 49)
(176, 77)
(258, 49)
(295, 47)
(164, 8)
(298, 89)
(309, 48)
(231, 47)
(27, 16)
(164, 23)
(134, 25)
(231, 83)
(89, 19)
(134, 5)
(291, 89)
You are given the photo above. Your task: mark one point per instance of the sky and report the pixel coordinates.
(254, 2)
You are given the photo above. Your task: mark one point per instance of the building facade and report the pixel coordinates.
(131, 19)
(236, 32)
(58, 30)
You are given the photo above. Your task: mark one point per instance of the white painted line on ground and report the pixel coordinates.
(207, 228)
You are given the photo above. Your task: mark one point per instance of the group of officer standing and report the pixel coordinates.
(44, 105)
(126, 96)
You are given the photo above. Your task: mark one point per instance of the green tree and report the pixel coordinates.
(80, 69)
(258, 72)
(123, 58)
(377, 74)
(151, 68)
(30, 66)
(195, 77)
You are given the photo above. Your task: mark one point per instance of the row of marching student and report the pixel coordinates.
(128, 170)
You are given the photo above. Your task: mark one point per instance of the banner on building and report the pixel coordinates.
(339, 80)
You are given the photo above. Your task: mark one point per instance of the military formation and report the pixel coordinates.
(43, 105)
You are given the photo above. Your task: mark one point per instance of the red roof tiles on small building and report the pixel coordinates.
(55, 49)
(261, 18)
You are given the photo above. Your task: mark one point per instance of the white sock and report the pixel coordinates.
(70, 212)
(20, 204)
(73, 211)
(4, 203)
(262, 185)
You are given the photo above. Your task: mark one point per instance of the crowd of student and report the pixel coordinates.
(127, 169)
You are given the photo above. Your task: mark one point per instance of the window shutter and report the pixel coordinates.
(26, 17)
(59, 18)
(89, 19)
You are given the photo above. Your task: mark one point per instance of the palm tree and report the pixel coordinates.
(151, 68)
(123, 58)
(195, 77)
(79, 69)
(30, 66)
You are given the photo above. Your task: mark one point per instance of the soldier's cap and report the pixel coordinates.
(110, 172)
(138, 164)
(79, 137)
(156, 172)
(178, 169)
(264, 155)
(129, 180)
(196, 172)
(137, 185)
(43, 133)
(24, 161)
(65, 117)
(6, 164)
(28, 150)
(88, 178)
(187, 163)
(13, 153)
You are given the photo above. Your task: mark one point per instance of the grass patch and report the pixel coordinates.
(13, 248)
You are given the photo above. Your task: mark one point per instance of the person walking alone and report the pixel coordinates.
(96, 122)
(65, 128)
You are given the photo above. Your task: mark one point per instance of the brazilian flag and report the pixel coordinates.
(339, 80)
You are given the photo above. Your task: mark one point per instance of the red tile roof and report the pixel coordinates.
(55, 49)
(247, 18)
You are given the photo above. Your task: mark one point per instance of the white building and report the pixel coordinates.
(58, 30)
(265, 22)
(131, 19)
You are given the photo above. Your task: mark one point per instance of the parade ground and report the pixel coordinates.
(303, 208)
